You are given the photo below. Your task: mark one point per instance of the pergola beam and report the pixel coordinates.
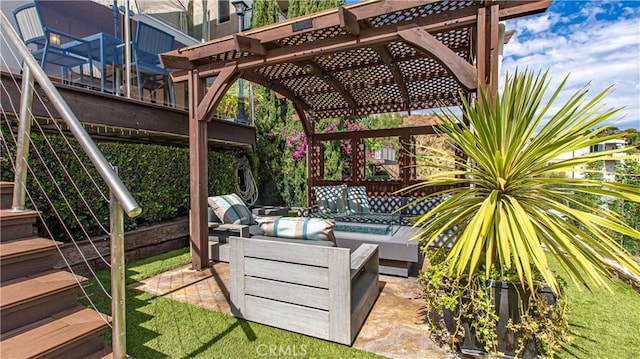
(463, 71)
(385, 132)
(348, 21)
(300, 107)
(249, 44)
(321, 73)
(220, 85)
(387, 58)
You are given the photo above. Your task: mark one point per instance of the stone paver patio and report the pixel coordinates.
(395, 327)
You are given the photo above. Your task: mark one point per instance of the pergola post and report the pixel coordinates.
(198, 175)
(310, 167)
(407, 151)
(487, 34)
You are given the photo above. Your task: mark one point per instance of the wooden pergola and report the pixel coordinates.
(366, 58)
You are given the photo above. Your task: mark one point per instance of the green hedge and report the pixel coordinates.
(157, 176)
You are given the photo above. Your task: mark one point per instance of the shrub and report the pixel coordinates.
(157, 177)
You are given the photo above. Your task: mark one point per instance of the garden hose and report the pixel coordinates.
(250, 192)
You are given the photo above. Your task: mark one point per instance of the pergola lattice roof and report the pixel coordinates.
(371, 57)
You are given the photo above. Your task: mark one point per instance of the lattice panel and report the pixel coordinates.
(326, 101)
(316, 162)
(413, 70)
(229, 55)
(311, 36)
(361, 165)
(370, 96)
(365, 76)
(400, 50)
(408, 15)
(334, 113)
(432, 88)
(381, 108)
(279, 71)
(307, 85)
(362, 110)
(353, 58)
(455, 39)
(440, 100)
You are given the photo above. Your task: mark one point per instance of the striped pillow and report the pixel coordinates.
(314, 229)
(357, 200)
(231, 209)
(331, 199)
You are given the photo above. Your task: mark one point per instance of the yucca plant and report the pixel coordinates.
(507, 208)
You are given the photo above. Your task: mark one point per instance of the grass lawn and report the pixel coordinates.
(163, 328)
(604, 325)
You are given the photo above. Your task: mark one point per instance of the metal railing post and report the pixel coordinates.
(119, 337)
(22, 150)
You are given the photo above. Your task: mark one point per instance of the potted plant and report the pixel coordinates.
(511, 206)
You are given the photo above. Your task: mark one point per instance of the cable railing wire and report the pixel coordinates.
(57, 245)
(55, 211)
(40, 186)
(55, 182)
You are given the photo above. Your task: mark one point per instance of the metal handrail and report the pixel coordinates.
(120, 197)
(129, 204)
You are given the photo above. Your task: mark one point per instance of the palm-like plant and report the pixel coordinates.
(508, 207)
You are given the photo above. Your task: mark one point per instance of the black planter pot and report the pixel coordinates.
(509, 301)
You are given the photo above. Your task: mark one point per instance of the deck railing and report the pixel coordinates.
(120, 199)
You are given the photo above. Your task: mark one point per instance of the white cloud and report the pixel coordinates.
(540, 23)
(591, 49)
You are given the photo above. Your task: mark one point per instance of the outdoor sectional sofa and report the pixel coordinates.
(382, 220)
(386, 223)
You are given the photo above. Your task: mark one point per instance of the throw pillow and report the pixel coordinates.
(357, 200)
(314, 229)
(331, 199)
(230, 209)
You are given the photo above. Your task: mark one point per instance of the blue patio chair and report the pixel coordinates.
(50, 46)
(148, 44)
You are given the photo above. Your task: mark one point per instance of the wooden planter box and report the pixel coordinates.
(139, 243)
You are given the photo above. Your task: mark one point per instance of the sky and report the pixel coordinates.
(595, 42)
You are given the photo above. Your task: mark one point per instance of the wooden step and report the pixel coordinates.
(6, 195)
(28, 299)
(16, 225)
(74, 333)
(23, 257)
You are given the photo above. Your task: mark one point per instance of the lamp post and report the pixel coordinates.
(241, 9)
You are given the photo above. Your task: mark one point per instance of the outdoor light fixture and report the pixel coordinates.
(241, 7)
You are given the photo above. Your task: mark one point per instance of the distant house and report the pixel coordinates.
(609, 167)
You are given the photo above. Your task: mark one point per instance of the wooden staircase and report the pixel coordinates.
(39, 313)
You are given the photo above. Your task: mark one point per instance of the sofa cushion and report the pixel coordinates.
(384, 204)
(331, 199)
(357, 200)
(230, 209)
(315, 229)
